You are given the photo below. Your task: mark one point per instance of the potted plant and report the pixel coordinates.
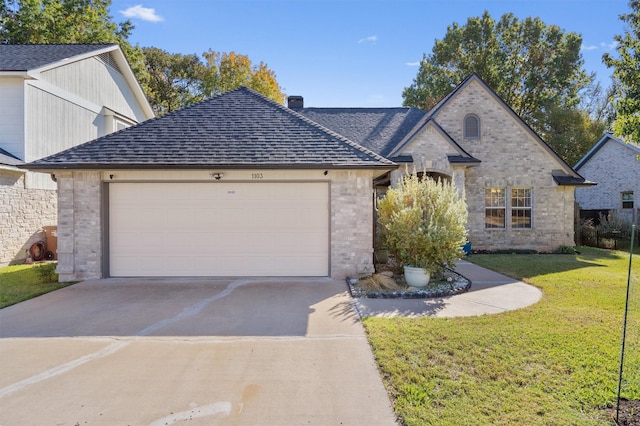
(424, 226)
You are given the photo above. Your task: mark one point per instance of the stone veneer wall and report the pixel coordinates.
(23, 213)
(80, 230)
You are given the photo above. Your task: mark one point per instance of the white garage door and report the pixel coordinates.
(218, 229)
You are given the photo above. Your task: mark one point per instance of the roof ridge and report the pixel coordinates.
(319, 126)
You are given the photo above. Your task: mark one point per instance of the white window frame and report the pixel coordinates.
(521, 202)
(505, 202)
(495, 201)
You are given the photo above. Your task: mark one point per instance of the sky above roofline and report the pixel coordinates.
(350, 53)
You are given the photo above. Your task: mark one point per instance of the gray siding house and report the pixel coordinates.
(239, 185)
(53, 97)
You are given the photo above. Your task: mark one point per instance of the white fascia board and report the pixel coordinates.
(136, 88)
(21, 74)
(12, 168)
(73, 59)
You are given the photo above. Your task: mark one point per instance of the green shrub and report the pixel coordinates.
(423, 222)
(46, 272)
(615, 226)
(565, 250)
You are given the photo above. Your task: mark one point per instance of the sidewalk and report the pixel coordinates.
(490, 293)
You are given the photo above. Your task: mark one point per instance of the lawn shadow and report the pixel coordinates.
(522, 266)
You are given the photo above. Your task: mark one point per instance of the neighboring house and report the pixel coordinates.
(239, 185)
(53, 97)
(615, 165)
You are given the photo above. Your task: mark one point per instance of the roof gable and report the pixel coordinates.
(474, 77)
(30, 60)
(461, 155)
(26, 57)
(606, 138)
(240, 128)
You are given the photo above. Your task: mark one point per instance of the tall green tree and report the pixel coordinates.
(177, 80)
(67, 21)
(174, 80)
(626, 73)
(536, 68)
(574, 132)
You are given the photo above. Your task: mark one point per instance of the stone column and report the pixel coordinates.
(66, 226)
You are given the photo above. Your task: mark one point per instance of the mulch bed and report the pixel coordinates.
(629, 413)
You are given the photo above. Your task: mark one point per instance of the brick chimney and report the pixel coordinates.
(294, 102)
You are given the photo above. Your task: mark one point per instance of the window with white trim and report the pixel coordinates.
(472, 127)
(627, 199)
(120, 124)
(521, 202)
(508, 208)
(495, 207)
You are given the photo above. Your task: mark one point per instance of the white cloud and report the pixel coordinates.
(590, 47)
(602, 46)
(412, 64)
(144, 13)
(370, 39)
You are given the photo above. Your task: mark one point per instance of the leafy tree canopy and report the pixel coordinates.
(174, 79)
(536, 68)
(227, 71)
(626, 74)
(177, 80)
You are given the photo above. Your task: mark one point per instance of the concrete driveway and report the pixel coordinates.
(160, 351)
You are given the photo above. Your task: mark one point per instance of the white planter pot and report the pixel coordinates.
(416, 277)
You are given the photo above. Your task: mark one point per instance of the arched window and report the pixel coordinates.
(472, 127)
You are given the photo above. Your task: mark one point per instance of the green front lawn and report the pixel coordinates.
(555, 362)
(22, 282)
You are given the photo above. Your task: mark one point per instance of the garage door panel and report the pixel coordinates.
(219, 229)
(138, 243)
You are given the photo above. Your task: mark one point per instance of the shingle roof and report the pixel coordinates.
(378, 129)
(240, 128)
(24, 57)
(9, 159)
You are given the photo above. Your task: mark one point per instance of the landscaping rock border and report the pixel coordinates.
(453, 283)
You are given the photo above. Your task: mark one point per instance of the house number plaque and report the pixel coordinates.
(257, 176)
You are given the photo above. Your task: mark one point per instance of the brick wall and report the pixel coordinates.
(79, 226)
(510, 157)
(351, 223)
(23, 213)
(615, 169)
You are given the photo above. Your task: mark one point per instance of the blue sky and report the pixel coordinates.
(349, 53)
